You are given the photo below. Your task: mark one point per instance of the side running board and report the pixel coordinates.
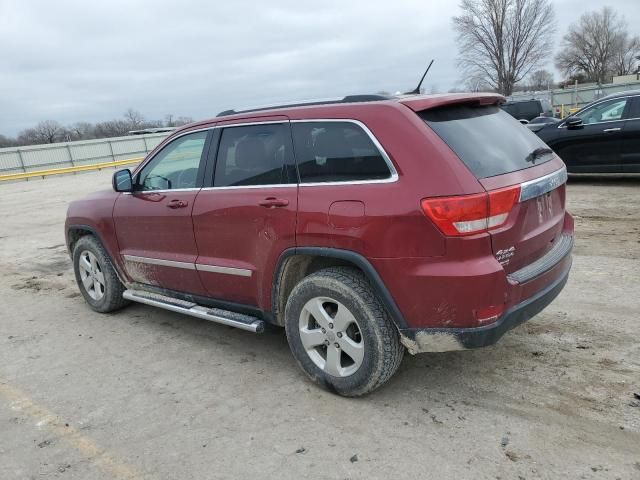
(225, 317)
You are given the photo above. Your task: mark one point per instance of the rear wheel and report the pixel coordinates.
(340, 334)
(96, 277)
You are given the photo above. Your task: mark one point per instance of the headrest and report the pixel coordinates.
(250, 153)
(330, 144)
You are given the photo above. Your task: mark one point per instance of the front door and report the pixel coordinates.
(248, 216)
(153, 223)
(595, 146)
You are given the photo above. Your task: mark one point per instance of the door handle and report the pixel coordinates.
(273, 202)
(611, 130)
(177, 204)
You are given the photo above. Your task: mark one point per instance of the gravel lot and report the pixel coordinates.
(146, 393)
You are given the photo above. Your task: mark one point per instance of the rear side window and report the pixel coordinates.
(253, 155)
(488, 140)
(634, 111)
(336, 152)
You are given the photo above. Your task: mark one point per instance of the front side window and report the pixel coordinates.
(175, 166)
(253, 155)
(336, 152)
(604, 112)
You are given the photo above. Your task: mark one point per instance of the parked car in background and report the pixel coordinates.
(539, 122)
(364, 226)
(603, 137)
(528, 109)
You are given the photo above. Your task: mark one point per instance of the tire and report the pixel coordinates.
(91, 264)
(352, 362)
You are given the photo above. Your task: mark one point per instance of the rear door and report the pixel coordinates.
(501, 154)
(630, 148)
(246, 217)
(153, 223)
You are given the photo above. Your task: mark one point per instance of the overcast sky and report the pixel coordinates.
(74, 61)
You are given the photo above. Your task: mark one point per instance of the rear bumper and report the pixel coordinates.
(418, 340)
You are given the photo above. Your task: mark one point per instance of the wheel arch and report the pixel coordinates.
(74, 232)
(294, 264)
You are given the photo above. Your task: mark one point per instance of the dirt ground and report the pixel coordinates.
(146, 393)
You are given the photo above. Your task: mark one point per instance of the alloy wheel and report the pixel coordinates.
(331, 336)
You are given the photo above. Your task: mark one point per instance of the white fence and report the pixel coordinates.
(581, 96)
(572, 98)
(72, 154)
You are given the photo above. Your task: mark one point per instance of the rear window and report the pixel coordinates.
(530, 109)
(488, 140)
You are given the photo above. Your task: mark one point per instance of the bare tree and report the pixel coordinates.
(81, 131)
(540, 80)
(172, 121)
(598, 46)
(178, 122)
(134, 118)
(501, 41)
(112, 128)
(52, 131)
(6, 141)
(48, 131)
(477, 84)
(626, 56)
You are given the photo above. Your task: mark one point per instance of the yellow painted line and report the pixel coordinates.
(59, 171)
(45, 419)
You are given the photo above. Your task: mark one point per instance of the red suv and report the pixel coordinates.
(365, 226)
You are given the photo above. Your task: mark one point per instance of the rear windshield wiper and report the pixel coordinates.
(538, 152)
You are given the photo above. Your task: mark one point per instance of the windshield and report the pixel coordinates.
(488, 140)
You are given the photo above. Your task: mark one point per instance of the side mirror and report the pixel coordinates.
(574, 123)
(122, 181)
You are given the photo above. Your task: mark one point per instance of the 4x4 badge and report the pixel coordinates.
(504, 255)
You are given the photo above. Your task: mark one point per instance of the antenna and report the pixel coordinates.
(416, 91)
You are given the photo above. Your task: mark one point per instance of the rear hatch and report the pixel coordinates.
(525, 180)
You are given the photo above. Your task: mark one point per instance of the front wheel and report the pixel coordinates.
(96, 277)
(340, 333)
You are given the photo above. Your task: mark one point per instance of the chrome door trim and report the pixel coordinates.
(240, 272)
(249, 124)
(164, 190)
(236, 187)
(539, 186)
(159, 261)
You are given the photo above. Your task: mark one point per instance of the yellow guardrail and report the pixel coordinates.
(59, 171)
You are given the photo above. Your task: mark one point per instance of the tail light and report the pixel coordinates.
(470, 214)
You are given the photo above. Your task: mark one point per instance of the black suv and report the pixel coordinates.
(603, 137)
(528, 109)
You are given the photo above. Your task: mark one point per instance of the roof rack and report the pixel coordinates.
(347, 99)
